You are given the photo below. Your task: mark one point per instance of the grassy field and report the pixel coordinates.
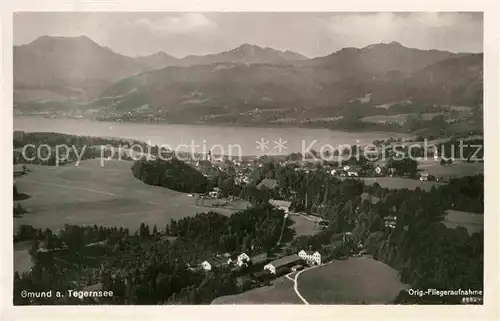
(352, 281)
(22, 259)
(304, 226)
(457, 169)
(473, 222)
(399, 183)
(280, 292)
(107, 195)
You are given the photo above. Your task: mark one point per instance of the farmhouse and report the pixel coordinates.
(424, 176)
(243, 258)
(337, 171)
(390, 221)
(310, 257)
(353, 171)
(212, 263)
(282, 205)
(286, 261)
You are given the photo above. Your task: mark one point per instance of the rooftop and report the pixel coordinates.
(280, 203)
(217, 261)
(268, 183)
(285, 260)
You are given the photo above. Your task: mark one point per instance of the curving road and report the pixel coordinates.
(296, 280)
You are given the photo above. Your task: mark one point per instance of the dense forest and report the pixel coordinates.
(173, 174)
(255, 229)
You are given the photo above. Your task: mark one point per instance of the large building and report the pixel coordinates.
(311, 257)
(286, 261)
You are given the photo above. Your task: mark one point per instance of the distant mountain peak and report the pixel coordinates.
(56, 40)
(247, 45)
(157, 60)
(247, 48)
(158, 54)
(384, 45)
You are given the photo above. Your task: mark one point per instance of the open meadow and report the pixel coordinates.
(360, 280)
(400, 183)
(106, 195)
(473, 222)
(22, 258)
(454, 170)
(304, 225)
(279, 292)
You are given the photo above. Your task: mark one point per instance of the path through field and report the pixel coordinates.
(295, 280)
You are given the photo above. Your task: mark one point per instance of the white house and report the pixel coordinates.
(353, 173)
(310, 257)
(205, 265)
(378, 170)
(424, 176)
(242, 259)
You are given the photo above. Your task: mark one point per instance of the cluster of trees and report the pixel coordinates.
(173, 174)
(403, 167)
(143, 268)
(427, 254)
(420, 246)
(73, 237)
(255, 229)
(146, 267)
(463, 194)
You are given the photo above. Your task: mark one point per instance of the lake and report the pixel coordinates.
(227, 140)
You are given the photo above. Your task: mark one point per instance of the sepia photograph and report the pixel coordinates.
(248, 158)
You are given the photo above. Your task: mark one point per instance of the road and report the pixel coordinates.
(295, 280)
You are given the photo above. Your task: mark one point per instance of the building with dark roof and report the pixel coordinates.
(285, 261)
(214, 262)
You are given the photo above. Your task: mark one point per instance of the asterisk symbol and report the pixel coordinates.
(280, 144)
(262, 144)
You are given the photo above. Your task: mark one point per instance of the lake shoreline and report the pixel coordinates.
(230, 125)
(200, 138)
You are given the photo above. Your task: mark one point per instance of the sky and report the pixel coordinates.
(308, 33)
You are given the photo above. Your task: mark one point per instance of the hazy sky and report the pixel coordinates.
(312, 34)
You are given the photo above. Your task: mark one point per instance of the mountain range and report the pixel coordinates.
(60, 68)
